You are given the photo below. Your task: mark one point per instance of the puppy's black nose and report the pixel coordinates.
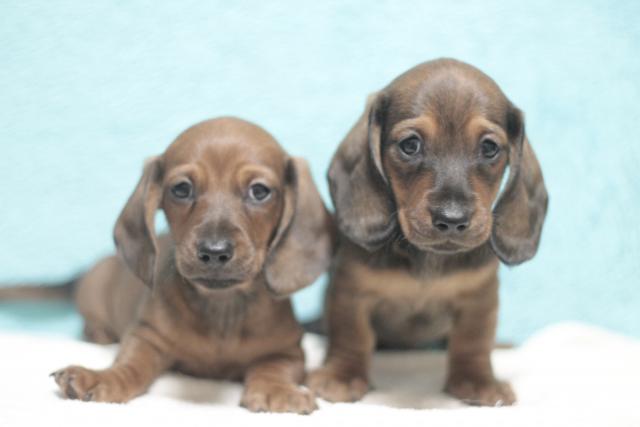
(450, 219)
(215, 252)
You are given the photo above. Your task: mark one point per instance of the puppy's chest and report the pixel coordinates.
(227, 347)
(409, 310)
(416, 306)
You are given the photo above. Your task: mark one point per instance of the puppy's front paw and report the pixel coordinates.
(482, 393)
(278, 398)
(331, 386)
(76, 382)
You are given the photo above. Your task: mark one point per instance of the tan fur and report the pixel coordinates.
(170, 309)
(402, 277)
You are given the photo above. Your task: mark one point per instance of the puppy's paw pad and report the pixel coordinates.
(76, 382)
(279, 399)
(79, 383)
(335, 388)
(491, 393)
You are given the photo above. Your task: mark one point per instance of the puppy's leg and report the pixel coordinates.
(140, 360)
(470, 377)
(344, 376)
(95, 331)
(271, 385)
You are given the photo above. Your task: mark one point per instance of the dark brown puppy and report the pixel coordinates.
(416, 186)
(246, 225)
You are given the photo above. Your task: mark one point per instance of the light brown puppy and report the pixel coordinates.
(247, 227)
(423, 225)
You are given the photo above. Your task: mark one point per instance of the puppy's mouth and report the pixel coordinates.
(441, 246)
(447, 248)
(215, 284)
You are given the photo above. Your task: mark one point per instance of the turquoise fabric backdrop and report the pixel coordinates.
(88, 90)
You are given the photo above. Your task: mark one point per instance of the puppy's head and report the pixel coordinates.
(427, 159)
(237, 206)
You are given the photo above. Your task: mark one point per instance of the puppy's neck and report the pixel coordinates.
(420, 263)
(219, 312)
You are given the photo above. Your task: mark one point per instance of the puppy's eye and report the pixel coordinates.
(182, 190)
(489, 148)
(410, 146)
(259, 192)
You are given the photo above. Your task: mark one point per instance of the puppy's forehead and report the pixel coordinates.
(226, 143)
(447, 89)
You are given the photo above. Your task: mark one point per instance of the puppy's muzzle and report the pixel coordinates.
(217, 263)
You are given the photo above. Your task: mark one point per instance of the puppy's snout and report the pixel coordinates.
(451, 218)
(215, 252)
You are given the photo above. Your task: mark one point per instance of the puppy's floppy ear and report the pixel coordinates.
(134, 233)
(520, 210)
(303, 243)
(358, 185)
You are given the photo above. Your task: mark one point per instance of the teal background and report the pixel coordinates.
(88, 90)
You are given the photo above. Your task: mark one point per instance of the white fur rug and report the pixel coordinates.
(566, 375)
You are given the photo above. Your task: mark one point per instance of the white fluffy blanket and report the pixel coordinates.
(566, 375)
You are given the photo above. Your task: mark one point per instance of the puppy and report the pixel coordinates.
(247, 227)
(423, 224)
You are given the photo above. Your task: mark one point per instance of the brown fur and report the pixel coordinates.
(403, 276)
(209, 320)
